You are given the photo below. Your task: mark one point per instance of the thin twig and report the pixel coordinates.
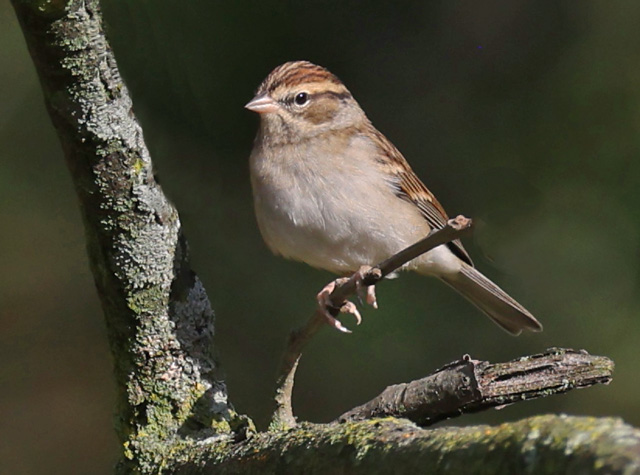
(467, 385)
(283, 415)
(455, 228)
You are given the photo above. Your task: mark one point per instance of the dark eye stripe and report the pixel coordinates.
(338, 95)
(289, 100)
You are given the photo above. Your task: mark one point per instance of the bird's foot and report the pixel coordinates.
(329, 311)
(366, 293)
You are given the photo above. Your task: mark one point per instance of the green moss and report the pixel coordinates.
(138, 166)
(242, 426)
(147, 300)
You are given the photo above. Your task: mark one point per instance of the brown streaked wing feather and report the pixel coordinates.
(410, 188)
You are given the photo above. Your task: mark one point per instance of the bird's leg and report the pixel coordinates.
(329, 311)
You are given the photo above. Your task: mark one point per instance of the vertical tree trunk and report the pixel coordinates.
(158, 314)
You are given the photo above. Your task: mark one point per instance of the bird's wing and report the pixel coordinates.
(409, 187)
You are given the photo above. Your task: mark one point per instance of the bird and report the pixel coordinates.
(332, 191)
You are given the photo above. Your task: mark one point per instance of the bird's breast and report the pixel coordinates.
(335, 211)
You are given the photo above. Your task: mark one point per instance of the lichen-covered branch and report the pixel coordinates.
(540, 445)
(157, 312)
(469, 386)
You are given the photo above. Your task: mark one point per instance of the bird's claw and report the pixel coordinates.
(366, 293)
(328, 310)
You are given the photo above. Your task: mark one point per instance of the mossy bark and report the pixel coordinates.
(158, 315)
(173, 414)
(538, 445)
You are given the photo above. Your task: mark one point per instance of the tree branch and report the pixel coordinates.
(283, 414)
(157, 312)
(467, 385)
(455, 228)
(540, 445)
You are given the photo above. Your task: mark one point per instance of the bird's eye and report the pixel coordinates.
(301, 98)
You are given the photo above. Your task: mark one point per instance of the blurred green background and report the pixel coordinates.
(523, 115)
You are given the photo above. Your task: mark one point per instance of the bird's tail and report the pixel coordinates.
(492, 300)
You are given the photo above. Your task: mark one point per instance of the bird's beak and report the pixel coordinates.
(262, 104)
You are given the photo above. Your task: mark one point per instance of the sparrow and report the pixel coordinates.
(331, 191)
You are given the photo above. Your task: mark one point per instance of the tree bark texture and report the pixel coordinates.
(173, 414)
(470, 386)
(538, 445)
(157, 312)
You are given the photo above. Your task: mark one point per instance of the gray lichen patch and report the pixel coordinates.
(158, 314)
